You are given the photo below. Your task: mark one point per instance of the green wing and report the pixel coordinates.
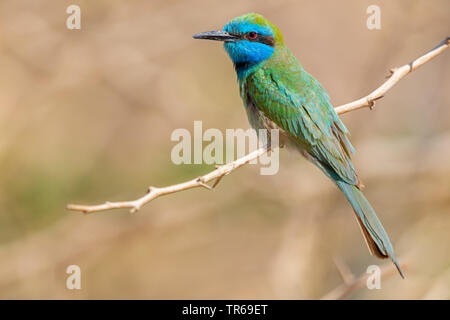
(298, 104)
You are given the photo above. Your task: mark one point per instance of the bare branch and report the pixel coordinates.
(396, 75)
(368, 101)
(346, 289)
(344, 270)
(154, 192)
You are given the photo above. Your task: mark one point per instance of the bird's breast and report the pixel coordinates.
(258, 120)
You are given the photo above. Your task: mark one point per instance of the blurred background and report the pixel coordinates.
(86, 116)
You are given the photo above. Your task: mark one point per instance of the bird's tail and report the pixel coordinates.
(376, 237)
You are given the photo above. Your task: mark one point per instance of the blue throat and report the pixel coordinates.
(246, 55)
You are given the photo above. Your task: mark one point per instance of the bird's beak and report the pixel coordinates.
(216, 35)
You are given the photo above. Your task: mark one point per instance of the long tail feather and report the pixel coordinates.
(376, 237)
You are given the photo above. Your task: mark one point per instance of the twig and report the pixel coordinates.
(344, 270)
(396, 74)
(368, 101)
(154, 192)
(346, 289)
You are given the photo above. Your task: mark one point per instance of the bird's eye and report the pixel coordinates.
(251, 35)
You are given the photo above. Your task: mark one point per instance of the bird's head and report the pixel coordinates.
(248, 39)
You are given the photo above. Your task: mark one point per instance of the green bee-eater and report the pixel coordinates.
(278, 93)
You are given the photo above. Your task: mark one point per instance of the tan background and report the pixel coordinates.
(86, 116)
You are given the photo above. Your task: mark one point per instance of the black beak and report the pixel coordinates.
(216, 35)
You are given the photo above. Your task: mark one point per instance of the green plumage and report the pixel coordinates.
(290, 97)
(279, 94)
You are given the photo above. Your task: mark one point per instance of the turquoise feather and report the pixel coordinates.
(278, 93)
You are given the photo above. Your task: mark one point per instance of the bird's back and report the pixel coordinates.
(279, 93)
(279, 90)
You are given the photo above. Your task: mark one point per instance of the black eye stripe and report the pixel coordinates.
(268, 40)
(265, 39)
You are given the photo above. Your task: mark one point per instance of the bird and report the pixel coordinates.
(278, 93)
